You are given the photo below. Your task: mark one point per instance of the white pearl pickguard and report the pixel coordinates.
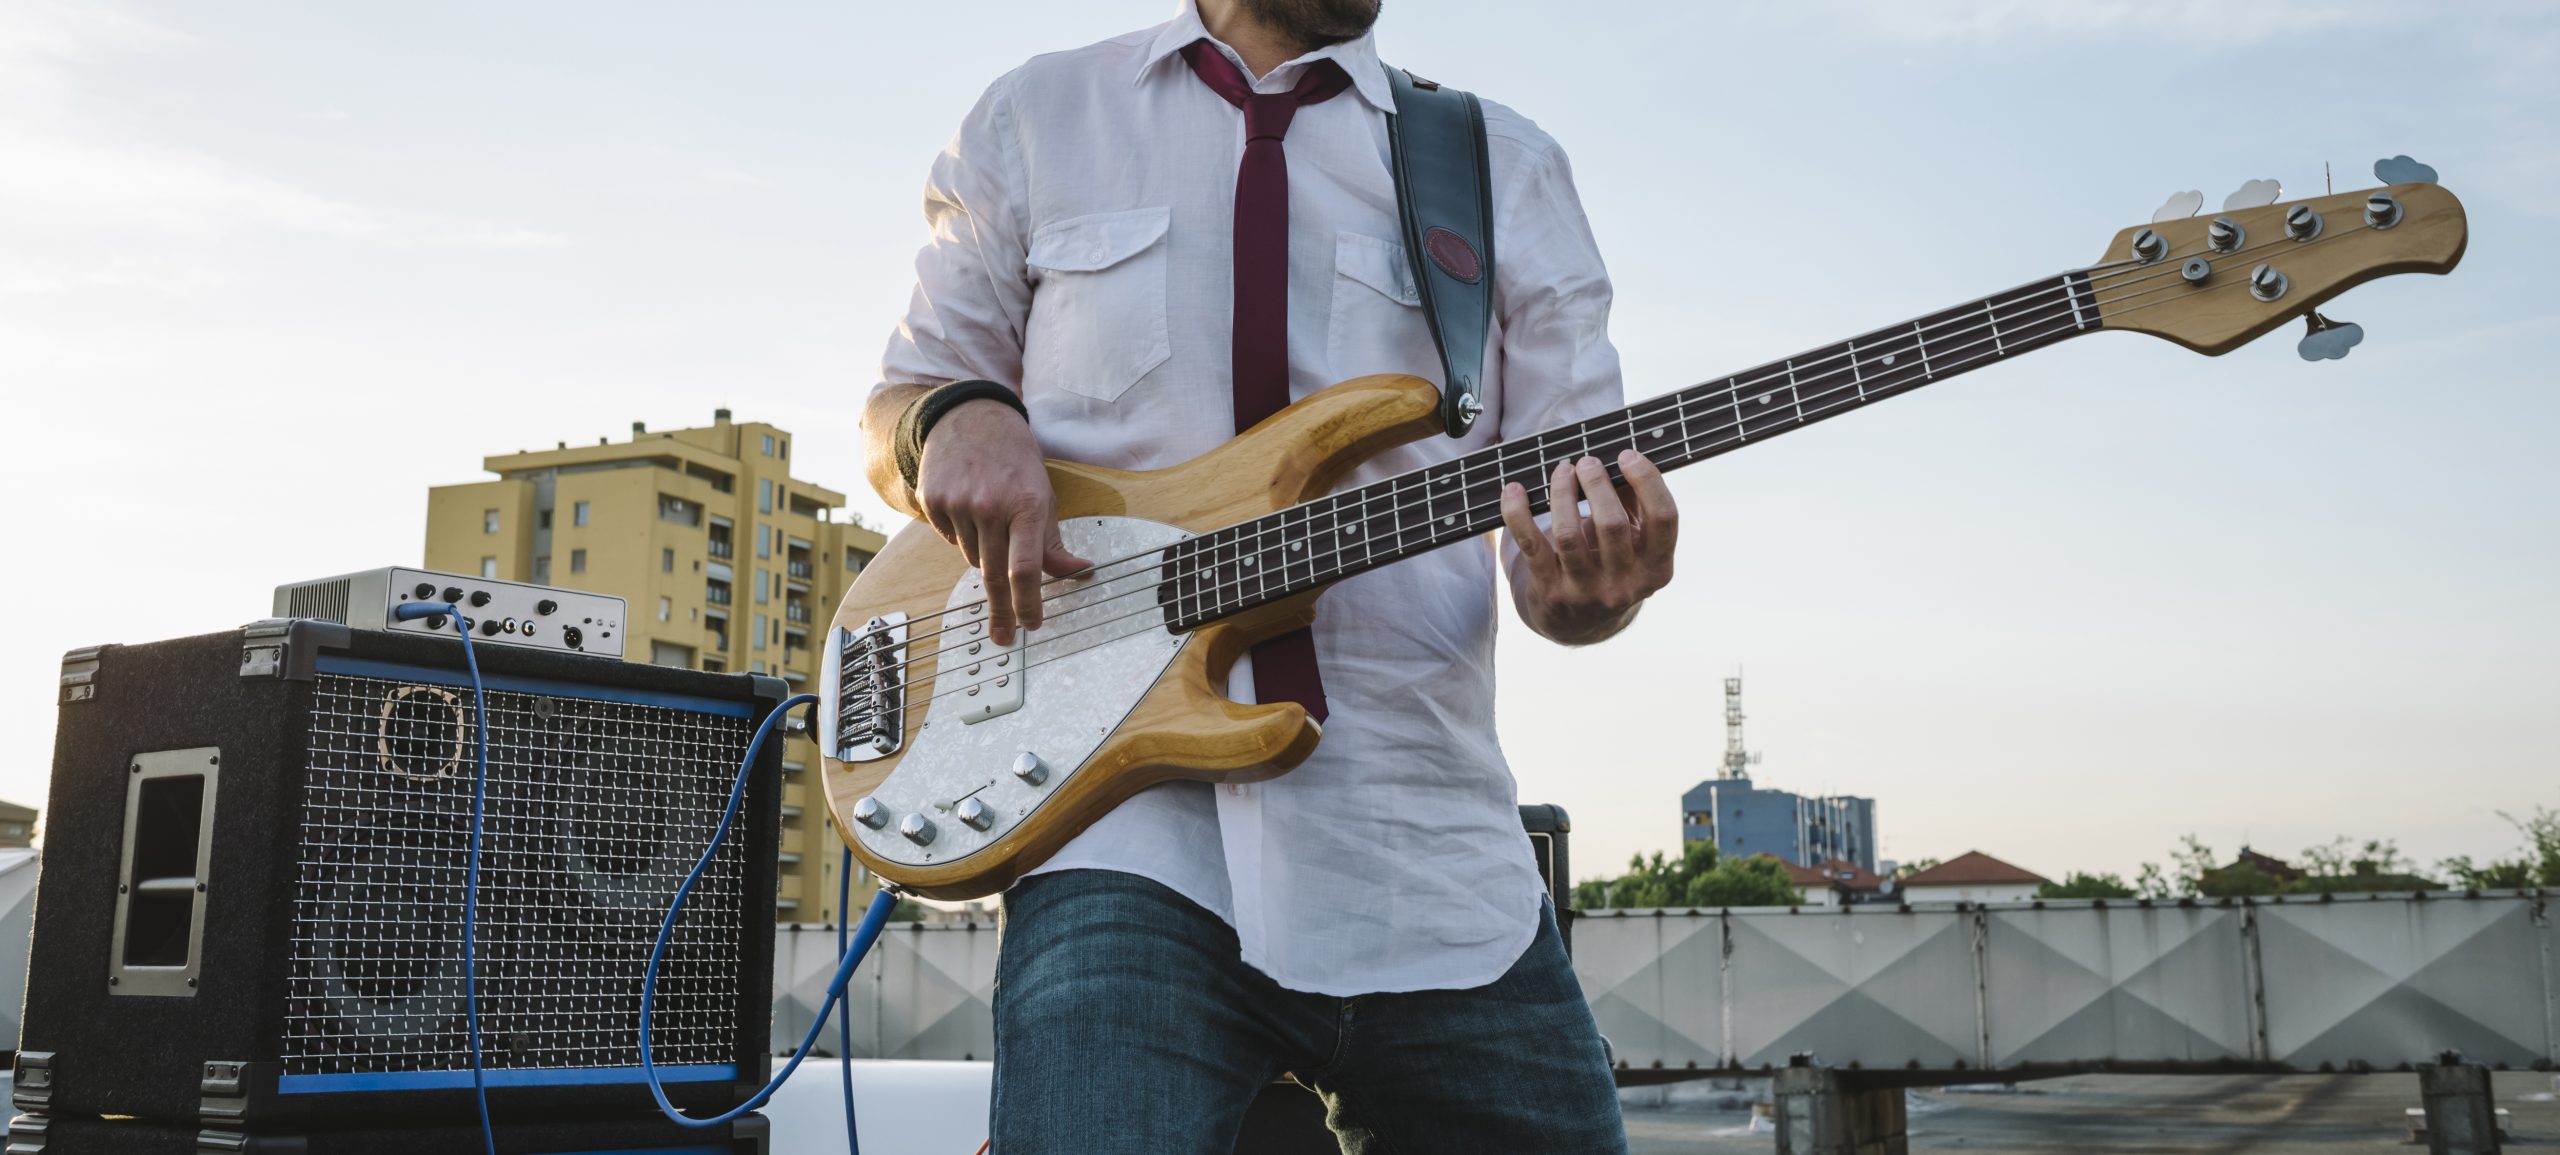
(1101, 648)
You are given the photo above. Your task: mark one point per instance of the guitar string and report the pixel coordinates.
(1670, 409)
(1736, 386)
(1472, 512)
(2167, 267)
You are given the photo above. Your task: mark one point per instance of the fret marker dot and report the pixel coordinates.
(1657, 431)
(1888, 358)
(1764, 398)
(1251, 560)
(1297, 545)
(1351, 530)
(1451, 520)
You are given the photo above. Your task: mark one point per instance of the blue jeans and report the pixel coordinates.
(1128, 1023)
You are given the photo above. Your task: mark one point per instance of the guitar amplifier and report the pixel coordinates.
(250, 911)
(42, 1135)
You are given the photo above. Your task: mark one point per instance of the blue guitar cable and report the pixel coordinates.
(873, 920)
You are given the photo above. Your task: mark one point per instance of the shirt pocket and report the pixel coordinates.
(1377, 324)
(1098, 314)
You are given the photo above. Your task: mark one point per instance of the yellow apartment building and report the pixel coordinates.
(728, 563)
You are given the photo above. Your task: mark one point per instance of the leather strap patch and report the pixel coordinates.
(1453, 254)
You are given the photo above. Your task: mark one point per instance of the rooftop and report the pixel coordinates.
(1839, 872)
(1973, 868)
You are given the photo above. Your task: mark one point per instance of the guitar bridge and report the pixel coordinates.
(863, 686)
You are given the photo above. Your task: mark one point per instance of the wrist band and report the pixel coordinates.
(917, 422)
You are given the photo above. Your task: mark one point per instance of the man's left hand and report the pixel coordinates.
(1581, 579)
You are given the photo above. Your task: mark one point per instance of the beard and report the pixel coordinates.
(1313, 24)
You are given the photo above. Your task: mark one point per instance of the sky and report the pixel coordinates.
(269, 270)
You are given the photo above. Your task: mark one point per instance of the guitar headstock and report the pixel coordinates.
(2214, 283)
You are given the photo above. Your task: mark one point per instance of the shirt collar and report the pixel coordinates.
(1358, 57)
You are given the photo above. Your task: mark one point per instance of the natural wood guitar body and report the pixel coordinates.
(1185, 727)
(1263, 532)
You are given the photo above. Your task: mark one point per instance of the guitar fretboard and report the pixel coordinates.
(1229, 570)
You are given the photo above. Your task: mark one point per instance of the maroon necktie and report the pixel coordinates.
(1284, 668)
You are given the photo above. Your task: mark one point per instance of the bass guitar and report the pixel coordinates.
(953, 764)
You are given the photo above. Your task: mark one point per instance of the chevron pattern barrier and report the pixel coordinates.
(2360, 981)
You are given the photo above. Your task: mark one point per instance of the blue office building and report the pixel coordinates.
(1744, 820)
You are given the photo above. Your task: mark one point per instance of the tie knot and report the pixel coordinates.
(1266, 114)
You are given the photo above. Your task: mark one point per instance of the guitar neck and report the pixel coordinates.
(1233, 569)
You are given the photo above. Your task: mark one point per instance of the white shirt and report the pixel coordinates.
(1082, 224)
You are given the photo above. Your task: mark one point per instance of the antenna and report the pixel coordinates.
(1737, 760)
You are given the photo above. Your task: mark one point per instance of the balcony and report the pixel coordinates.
(723, 547)
(801, 570)
(717, 593)
(796, 611)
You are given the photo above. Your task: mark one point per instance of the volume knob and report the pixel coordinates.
(1028, 767)
(871, 813)
(917, 828)
(975, 813)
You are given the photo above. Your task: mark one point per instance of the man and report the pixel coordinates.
(1371, 922)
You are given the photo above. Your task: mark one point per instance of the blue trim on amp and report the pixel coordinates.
(364, 668)
(550, 1077)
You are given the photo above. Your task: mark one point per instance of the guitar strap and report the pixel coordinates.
(1444, 193)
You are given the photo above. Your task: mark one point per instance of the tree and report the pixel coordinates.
(1699, 878)
(2539, 865)
(2083, 885)
(1915, 866)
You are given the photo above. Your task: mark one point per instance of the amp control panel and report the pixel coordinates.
(503, 612)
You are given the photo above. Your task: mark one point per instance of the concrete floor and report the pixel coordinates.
(2139, 1115)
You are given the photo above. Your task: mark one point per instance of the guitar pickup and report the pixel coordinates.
(984, 679)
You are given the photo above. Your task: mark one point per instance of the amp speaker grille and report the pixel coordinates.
(595, 811)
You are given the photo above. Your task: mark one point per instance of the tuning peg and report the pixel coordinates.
(2327, 340)
(2253, 194)
(2179, 206)
(2402, 170)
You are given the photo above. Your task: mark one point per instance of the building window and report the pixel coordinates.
(542, 519)
(666, 608)
(764, 495)
(786, 449)
(764, 543)
(578, 514)
(757, 665)
(678, 510)
(489, 521)
(542, 568)
(666, 561)
(760, 587)
(670, 654)
(760, 628)
(768, 445)
(488, 567)
(577, 560)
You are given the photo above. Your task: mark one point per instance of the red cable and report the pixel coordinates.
(982, 1147)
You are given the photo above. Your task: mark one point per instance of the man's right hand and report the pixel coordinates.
(984, 487)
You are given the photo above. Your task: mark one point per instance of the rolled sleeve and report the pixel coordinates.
(1552, 292)
(972, 294)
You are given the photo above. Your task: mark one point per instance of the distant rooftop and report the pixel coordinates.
(1973, 868)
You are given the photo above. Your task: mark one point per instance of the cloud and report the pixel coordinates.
(81, 176)
(2217, 22)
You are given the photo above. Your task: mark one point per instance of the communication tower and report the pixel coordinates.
(1737, 760)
